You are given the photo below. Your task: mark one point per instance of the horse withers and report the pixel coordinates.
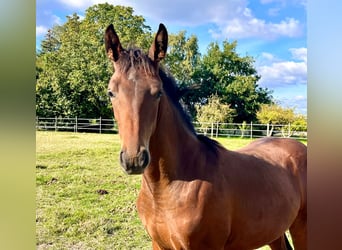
(195, 194)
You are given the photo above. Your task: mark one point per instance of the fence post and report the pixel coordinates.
(55, 123)
(289, 130)
(251, 130)
(100, 126)
(217, 128)
(76, 124)
(114, 129)
(212, 130)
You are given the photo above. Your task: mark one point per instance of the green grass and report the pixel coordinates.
(84, 200)
(72, 213)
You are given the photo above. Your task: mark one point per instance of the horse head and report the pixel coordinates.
(135, 91)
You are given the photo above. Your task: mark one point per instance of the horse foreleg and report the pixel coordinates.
(281, 244)
(298, 231)
(155, 246)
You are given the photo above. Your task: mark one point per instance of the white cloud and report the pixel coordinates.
(242, 23)
(298, 102)
(276, 72)
(76, 3)
(188, 12)
(233, 18)
(268, 56)
(289, 27)
(82, 4)
(266, 1)
(287, 72)
(284, 2)
(249, 26)
(56, 20)
(299, 54)
(41, 30)
(300, 98)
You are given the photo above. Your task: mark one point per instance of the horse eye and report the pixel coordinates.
(111, 94)
(159, 94)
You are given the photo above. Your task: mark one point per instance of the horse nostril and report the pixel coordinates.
(122, 160)
(144, 158)
(134, 164)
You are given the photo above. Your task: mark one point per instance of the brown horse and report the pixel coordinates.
(195, 194)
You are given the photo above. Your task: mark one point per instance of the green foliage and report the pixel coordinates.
(214, 111)
(73, 69)
(243, 128)
(275, 114)
(184, 62)
(300, 123)
(183, 57)
(51, 42)
(234, 79)
(244, 95)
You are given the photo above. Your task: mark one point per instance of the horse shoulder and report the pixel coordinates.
(186, 211)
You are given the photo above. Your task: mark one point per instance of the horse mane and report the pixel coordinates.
(136, 59)
(174, 93)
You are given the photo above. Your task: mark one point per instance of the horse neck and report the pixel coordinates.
(172, 145)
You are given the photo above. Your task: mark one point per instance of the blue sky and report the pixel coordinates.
(273, 32)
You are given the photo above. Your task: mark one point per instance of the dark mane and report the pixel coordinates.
(135, 58)
(172, 90)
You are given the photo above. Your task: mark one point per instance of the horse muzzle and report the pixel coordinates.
(135, 164)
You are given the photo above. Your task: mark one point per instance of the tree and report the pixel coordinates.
(300, 123)
(131, 28)
(184, 61)
(183, 57)
(214, 111)
(72, 69)
(72, 77)
(274, 114)
(234, 79)
(244, 95)
(51, 42)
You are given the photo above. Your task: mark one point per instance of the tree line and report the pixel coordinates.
(72, 69)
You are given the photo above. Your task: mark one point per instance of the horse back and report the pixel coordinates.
(286, 153)
(265, 182)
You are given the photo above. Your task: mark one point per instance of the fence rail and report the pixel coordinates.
(243, 130)
(76, 124)
(249, 130)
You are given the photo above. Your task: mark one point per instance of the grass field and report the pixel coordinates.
(84, 200)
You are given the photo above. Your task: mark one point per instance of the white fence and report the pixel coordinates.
(76, 124)
(249, 130)
(242, 130)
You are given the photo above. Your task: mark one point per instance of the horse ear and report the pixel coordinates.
(112, 43)
(158, 48)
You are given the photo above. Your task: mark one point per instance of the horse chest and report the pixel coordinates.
(182, 220)
(170, 222)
